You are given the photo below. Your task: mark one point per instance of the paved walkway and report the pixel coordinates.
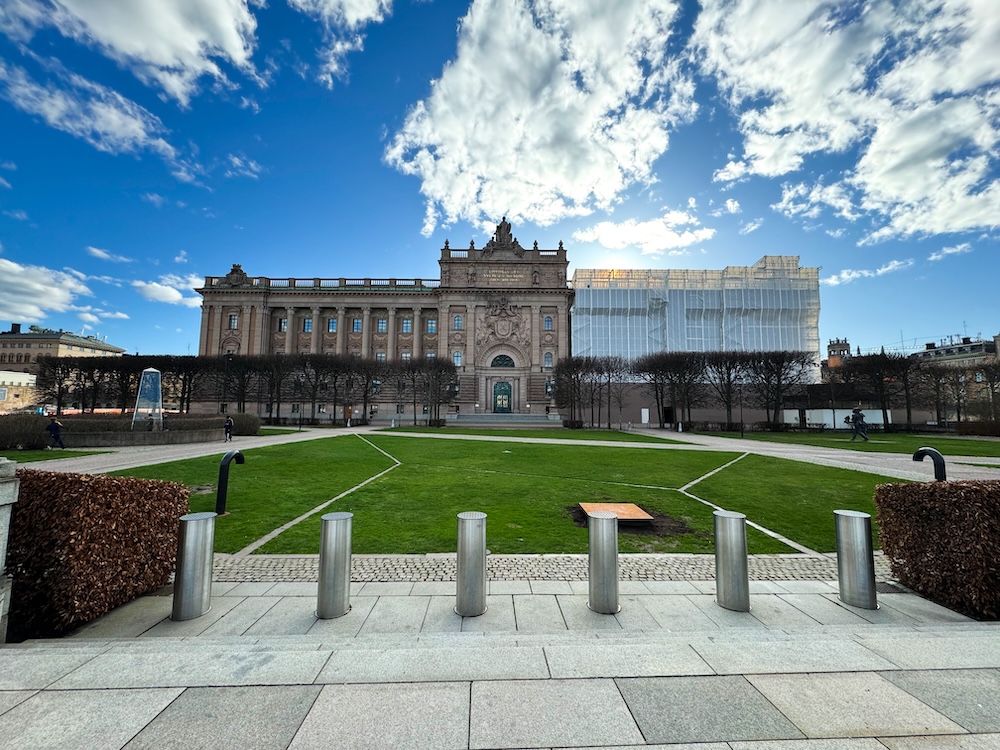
(801, 671)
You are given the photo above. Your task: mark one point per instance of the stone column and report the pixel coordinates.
(366, 332)
(261, 331)
(290, 342)
(316, 333)
(206, 329)
(562, 320)
(418, 333)
(536, 336)
(245, 316)
(216, 346)
(8, 496)
(341, 331)
(391, 347)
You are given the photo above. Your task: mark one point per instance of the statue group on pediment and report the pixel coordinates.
(503, 240)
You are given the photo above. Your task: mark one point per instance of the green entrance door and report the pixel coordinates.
(501, 398)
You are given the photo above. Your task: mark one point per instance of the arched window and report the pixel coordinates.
(457, 359)
(548, 359)
(548, 323)
(458, 323)
(502, 361)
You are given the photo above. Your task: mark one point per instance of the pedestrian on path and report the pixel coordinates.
(54, 428)
(228, 428)
(858, 425)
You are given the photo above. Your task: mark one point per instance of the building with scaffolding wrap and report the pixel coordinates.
(771, 305)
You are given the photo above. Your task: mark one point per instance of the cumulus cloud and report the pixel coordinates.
(751, 226)
(168, 44)
(29, 293)
(848, 275)
(171, 289)
(97, 252)
(907, 92)
(944, 252)
(181, 257)
(90, 314)
(549, 110)
(673, 231)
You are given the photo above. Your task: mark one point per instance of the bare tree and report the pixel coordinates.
(725, 373)
(772, 374)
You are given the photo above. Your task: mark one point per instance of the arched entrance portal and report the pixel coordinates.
(502, 391)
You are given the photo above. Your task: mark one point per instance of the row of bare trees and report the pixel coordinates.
(679, 380)
(335, 381)
(590, 389)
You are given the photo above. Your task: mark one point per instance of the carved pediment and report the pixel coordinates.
(236, 277)
(503, 241)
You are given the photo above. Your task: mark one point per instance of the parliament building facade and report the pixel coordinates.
(500, 313)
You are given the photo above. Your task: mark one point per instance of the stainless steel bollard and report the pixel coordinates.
(732, 579)
(470, 574)
(193, 578)
(602, 528)
(334, 598)
(855, 558)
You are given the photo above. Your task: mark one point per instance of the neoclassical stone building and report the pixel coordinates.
(500, 313)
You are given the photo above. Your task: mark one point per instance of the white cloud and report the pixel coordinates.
(731, 206)
(102, 117)
(240, 166)
(944, 252)
(28, 293)
(9, 165)
(95, 314)
(906, 92)
(549, 110)
(17, 214)
(848, 275)
(342, 21)
(181, 257)
(154, 198)
(170, 289)
(692, 204)
(4, 183)
(97, 252)
(167, 44)
(751, 226)
(651, 237)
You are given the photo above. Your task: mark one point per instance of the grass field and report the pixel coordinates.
(881, 443)
(556, 434)
(527, 490)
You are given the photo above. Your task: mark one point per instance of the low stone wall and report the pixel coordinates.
(140, 437)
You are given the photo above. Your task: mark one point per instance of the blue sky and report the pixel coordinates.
(147, 144)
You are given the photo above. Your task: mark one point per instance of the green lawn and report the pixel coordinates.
(525, 488)
(555, 433)
(24, 457)
(881, 443)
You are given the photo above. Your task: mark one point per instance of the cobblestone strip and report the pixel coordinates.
(441, 567)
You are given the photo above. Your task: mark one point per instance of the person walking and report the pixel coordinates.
(54, 428)
(228, 428)
(858, 426)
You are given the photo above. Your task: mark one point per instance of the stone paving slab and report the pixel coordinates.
(263, 718)
(129, 621)
(939, 653)
(499, 616)
(435, 665)
(703, 709)
(856, 743)
(850, 705)
(431, 716)
(395, 614)
(949, 692)
(563, 713)
(346, 625)
(10, 698)
(36, 669)
(195, 669)
(290, 615)
(954, 742)
(578, 616)
(538, 613)
(240, 618)
(769, 657)
(92, 719)
(631, 660)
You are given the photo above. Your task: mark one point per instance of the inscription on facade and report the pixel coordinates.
(504, 276)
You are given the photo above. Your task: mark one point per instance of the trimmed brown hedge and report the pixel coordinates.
(81, 545)
(978, 428)
(943, 541)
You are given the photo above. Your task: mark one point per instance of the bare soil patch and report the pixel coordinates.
(662, 525)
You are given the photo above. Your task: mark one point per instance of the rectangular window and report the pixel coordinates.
(431, 355)
(380, 356)
(406, 356)
(407, 325)
(282, 325)
(356, 325)
(295, 408)
(234, 322)
(381, 325)
(322, 408)
(331, 325)
(400, 409)
(307, 325)
(432, 325)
